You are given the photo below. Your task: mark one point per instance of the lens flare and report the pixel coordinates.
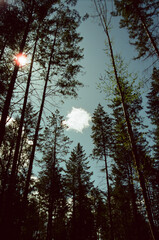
(21, 59)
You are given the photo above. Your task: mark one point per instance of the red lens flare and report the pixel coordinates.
(21, 59)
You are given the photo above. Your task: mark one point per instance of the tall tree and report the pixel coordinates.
(79, 188)
(55, 148)
(15, 72)
(153, 113)
(10, 216)
(102, 12)
(101, 135)
(140, 18)
(10, 16)
(41, 17)
(64, 52)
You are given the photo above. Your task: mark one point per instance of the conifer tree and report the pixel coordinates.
(153, 113)
(10, 15)
(102, 13)
(10, 205)
(79, 187)
(140, 18)
(64, 53)
(102, 139)
(7, 102)
(55, 146)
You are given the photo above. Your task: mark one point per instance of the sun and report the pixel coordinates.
(21, 59)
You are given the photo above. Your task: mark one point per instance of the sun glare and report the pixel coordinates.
(21, 59)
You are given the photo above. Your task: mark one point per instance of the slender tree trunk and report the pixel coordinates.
(134, 205)
(134, 149)
(51, 195)
(13, 80)
(4, 182)
(12, 182)
(147, 30)
(108, 186)
(26, 190)
(16, 153)
(129, 128)
(73, 236)
(109, 201)
(2, 50)
(150, 37)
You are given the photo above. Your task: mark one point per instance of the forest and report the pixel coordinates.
(40, 57)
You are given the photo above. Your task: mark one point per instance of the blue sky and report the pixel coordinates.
(94, 64)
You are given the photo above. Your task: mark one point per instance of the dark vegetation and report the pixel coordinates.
(63, 202)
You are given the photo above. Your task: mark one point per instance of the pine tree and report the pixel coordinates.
(102, 139)
(140, 18)
(9, 95)
(153, 113)
(102, 11)
(79, 188)
(64, 53)
(101, 216)
(10, 205)
(10, 16)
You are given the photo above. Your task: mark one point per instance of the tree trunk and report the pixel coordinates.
(51, 195)
(109, 201)
(129, 127)
(134, 150)
(108, 189)
(134, 205)
(16, 153)
(73, 235)
(26, 190)
(13, 80)
(147, 31)
(2, 50)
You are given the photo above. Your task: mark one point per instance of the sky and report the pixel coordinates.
(77, 112)
(94, 64)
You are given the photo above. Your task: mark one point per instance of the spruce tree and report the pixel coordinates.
(102, 139)
(79, 185)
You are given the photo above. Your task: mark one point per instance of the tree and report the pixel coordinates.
(101, 13)
(77, 177)
(10, 16)
(10, 205)
(102, 139)
(63, 54)
(153, 113)
(55, 147)
(140, 18)
(130, 219)
(101, 216)
(14, 75)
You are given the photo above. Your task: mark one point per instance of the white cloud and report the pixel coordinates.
(77, 119)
